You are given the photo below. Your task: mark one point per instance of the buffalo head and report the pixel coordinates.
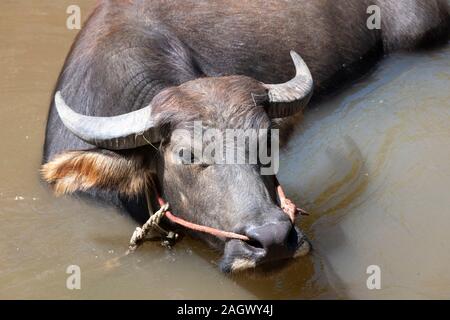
(201, 183)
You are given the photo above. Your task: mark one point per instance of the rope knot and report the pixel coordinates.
(152, 224)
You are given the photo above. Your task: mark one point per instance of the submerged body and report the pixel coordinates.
(129, 53)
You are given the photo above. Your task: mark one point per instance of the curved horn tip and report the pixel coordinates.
(58, 97)
(294, 54)
(299, 63)
(61, 107)
(299, 90)
(296, 58)
(60, 103)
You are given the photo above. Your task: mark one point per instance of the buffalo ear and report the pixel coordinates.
(73, 171)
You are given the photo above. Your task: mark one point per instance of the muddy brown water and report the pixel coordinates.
(371, 164)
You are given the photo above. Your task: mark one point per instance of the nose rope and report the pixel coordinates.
(154, 221)
(200, 228)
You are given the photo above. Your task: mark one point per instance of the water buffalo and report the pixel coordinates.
(140, 70)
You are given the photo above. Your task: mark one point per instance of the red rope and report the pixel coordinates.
(288, 207)
(200, 228)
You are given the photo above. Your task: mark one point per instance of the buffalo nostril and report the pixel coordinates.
(293, 238)
(274, 238)
(255, 243)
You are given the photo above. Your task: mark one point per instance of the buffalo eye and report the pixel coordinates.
(188, 157)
